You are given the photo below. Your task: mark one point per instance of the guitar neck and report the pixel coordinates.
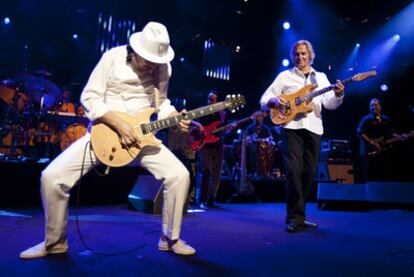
(158, 125)
(313, 94)
(228, 125)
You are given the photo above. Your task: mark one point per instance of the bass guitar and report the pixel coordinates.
(106, 142)
(211, 131)
(386, 144)
(299, 103)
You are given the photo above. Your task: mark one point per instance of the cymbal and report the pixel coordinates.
(42, 72)
(37, 87)
(8, 83)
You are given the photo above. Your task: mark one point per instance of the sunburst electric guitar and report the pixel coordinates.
(299, 103)
(106, 142)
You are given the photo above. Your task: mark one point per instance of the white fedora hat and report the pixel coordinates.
(153, 43)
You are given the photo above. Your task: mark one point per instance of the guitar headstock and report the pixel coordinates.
(363, 75)
(234, 102)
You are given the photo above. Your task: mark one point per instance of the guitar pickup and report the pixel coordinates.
(144, 129)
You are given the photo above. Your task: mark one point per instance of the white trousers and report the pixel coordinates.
(64, 171)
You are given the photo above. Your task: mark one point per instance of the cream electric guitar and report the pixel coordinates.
(299, 102)
(106, 142)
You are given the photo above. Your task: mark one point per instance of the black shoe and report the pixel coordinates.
(212, 204)
(293, 227)
(309, 225)
(203, 206)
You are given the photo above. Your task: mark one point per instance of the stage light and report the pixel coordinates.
(75, 36)
(285, 62)
(396, 37)
(358, 45)
(182, 59)
(239, 131)
(286, 25)
(237, 48)
(6, 20)
(384, 87)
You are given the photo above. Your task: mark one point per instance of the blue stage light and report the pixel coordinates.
(285, 62)
(6, 20)
(358, 45)
(75, 36)
(396, 37)
(182, 59)
(384, 87)
(286, 25)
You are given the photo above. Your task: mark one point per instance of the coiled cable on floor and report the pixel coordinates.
(77, 214)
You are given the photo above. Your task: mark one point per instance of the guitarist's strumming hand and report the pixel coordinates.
(276, 102)
(127, 135)
(125, 131)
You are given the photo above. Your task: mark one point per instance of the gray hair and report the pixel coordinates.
(308, 46)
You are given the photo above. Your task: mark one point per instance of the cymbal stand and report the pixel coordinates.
(244, 187)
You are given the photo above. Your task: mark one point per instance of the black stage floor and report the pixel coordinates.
(235, 240)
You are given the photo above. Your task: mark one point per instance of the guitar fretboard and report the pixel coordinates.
(228, 125)
(311, 95)
(157, 125)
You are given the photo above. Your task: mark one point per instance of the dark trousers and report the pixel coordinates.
(211, 161)
(300, 150)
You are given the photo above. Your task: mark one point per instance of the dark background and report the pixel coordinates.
(46, 27)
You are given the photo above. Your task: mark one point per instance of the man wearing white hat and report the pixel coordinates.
(124, 80)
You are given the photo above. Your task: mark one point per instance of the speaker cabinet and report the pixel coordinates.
(343, 173)
(338, 173)
(146, 195)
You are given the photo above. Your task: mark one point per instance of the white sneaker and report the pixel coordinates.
(163, 245)
(39, 251)
(180, 247)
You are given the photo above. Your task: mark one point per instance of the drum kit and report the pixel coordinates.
(34, 121)
(263, 158)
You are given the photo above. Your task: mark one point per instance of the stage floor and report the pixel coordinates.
(235, 240)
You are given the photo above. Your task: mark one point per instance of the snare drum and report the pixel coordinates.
(71, 134)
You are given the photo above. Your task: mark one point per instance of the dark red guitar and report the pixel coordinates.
(211, 130)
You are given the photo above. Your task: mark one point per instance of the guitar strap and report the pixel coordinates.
(313, 78)
(156, 99)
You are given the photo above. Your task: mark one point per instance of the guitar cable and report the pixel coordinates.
(77, 214)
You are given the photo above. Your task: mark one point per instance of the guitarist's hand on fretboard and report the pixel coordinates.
(339, 88)
(184, 124)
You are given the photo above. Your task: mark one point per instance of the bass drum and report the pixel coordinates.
(71, 134)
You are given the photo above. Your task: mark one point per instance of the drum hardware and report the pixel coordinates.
(71, 134)
(241, 179)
